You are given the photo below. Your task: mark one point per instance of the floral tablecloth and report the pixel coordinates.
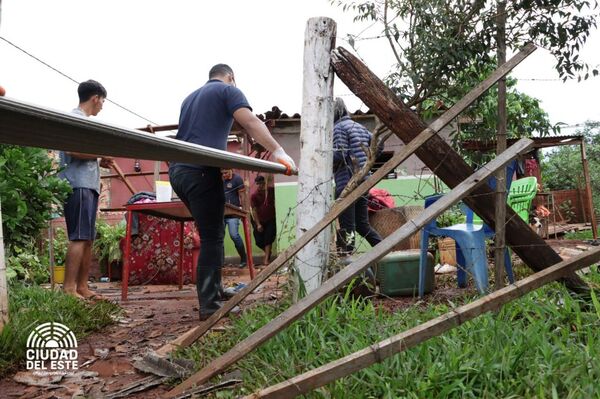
(155, 251)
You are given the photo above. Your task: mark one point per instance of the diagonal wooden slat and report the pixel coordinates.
(380, 351)
(341, 204)
(33, 126)
(338, 280)
(446, 163)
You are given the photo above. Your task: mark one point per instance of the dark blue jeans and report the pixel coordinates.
(355, 218)
(233, 225)
(201, 190)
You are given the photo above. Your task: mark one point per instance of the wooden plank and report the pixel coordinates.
(315, 191)
(30, 125)
(380, 351)
(500, 213)
(446, 163)
(339, 206)
(345, 275)
(588, 189)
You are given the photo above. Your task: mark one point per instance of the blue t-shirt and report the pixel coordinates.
(80, 173)
(207, 114)
(231, 187)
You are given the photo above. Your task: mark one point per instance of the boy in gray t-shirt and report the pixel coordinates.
(83, 174)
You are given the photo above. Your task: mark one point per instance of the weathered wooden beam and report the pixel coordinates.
(315, 191)
(376, 353)
(345, 275)
(446, 163)
(341, 204)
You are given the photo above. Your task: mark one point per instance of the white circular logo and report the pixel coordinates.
(52, 348)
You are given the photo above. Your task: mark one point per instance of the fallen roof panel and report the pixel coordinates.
(34, 126)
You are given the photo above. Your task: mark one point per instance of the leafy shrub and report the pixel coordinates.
(107, 244)
(27, 265)
(29, 188)
(61, 244)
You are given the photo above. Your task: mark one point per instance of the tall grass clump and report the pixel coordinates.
(546, 344)
(30, 306)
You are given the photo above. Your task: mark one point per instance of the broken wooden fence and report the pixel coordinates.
(342, 203)
(336, 282)
(445, 162)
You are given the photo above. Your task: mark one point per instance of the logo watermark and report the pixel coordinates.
(51, 349)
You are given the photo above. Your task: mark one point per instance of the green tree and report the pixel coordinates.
(29, 187)
(526, 118)
(434, 41)
(562, 170)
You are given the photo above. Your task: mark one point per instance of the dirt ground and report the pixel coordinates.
(153, 316)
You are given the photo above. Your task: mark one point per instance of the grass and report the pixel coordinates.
(30, 306)
(546, 344)
(580, 235)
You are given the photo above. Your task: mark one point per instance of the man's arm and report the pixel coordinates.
(254, 216)
(243, 196)
(258, 131)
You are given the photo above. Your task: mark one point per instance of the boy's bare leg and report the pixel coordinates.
(84, 272)
(75, 254)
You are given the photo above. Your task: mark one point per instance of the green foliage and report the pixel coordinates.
(525, 117)
(25, 264)
(580, 235)
(433, 41)
(61, 244)
(106, 245)
(562, 168)
(545, 344)
(451, 217)
(31, 306)
(29, 188)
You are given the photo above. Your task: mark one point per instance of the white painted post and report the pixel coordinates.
(315, 187)
(3, 283)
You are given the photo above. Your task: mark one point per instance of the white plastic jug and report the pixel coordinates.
(163, 191)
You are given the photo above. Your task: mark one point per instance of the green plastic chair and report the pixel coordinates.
(522, 192)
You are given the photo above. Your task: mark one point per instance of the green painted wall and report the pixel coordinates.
(406, 191)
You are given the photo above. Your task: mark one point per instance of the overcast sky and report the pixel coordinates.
(151, 54)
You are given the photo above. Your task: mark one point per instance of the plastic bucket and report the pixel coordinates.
(59, 274)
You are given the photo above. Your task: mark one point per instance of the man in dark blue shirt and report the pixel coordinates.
(206, 118)
(235, 192)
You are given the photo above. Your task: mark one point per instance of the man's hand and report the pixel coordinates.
(283, 158)
(106, 162)
(259, 227)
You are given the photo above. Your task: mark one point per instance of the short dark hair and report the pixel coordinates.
(219, 70)
(90, 88)
(259, 179)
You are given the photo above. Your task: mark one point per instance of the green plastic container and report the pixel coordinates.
(398, 273)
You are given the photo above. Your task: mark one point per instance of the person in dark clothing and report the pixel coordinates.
(206, 119)
(235, 194)
(264, 224)
(349, 141)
